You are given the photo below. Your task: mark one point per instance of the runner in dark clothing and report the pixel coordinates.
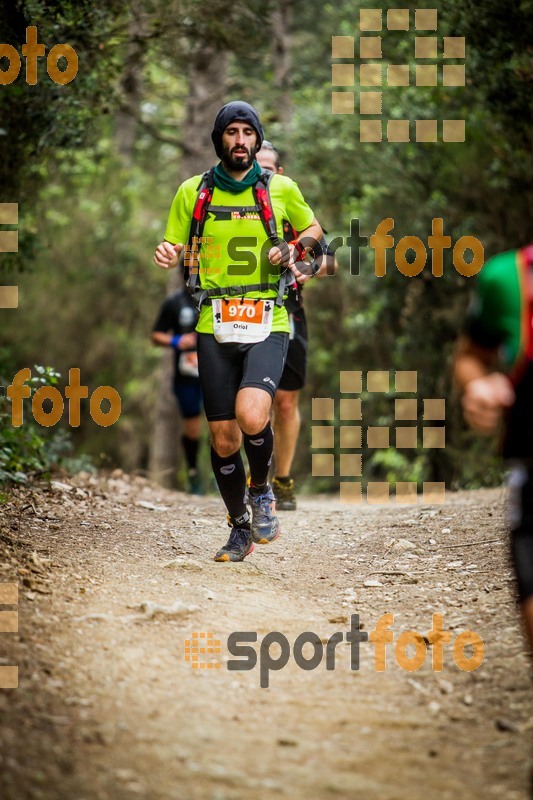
(175, 327)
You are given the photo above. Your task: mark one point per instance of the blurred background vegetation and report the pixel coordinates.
(95, 164)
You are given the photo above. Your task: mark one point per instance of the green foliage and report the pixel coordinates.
(90, 217)
(481, 187)
(31, 449)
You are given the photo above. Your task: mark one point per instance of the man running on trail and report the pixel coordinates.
(287, 419)
(500, 327)
(175, 327)
(243, 330)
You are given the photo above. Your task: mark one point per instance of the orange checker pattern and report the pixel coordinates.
(200, 645)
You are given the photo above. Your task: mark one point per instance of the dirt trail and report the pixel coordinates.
(107, 707)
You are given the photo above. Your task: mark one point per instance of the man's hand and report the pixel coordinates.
(484, 400)
(284, 255)
(287, 255)
(187, 341)
(167, 255)
(301, 277)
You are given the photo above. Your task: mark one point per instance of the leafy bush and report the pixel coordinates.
(33, 449)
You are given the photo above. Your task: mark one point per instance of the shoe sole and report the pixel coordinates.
(227, 556)
(267, 541)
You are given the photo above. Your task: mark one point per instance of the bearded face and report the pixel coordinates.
(239, 143)
(238, 158)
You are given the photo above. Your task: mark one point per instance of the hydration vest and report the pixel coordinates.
(262, 207)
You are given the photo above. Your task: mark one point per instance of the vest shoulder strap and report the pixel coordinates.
(261, 192)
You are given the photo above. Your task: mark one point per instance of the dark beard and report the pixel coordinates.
(240, 163)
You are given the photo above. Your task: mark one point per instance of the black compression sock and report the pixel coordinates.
(259, 448)
(190, 447)
(231, 480)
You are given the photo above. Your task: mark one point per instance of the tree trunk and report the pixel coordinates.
(281, 55)
(206, 96)
(131, 85)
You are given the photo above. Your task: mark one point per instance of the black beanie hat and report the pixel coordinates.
(231, 112)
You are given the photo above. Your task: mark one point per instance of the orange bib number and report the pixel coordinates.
(242, 320)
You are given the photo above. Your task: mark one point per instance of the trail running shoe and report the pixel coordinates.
(284, 494)
(239, 544)
(265, 526)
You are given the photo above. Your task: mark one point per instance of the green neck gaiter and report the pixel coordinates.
(228, 184)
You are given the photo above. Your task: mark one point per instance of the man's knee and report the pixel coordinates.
(192, 427)
(252, 410)
(252, 421)
(225, 440)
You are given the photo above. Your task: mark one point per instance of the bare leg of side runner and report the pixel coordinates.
(286, 431)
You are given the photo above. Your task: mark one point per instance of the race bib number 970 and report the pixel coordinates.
(242, 320)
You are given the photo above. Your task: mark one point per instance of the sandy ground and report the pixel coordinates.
(108, 708)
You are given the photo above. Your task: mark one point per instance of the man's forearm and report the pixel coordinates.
(311, 236)
(161, 339)
(471, 362)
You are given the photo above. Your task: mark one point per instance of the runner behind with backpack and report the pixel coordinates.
(287, 418)
(174, 328)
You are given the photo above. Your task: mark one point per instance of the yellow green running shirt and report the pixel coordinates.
(223, 252)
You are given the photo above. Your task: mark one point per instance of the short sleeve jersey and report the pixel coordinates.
(499, 317)
(494, 317)
(236, 245)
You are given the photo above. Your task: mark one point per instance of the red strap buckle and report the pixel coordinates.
(300, 249)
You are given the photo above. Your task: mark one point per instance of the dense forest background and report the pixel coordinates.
(95, 164)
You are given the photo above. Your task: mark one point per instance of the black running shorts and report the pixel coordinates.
(226, 368)
(294, 373)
